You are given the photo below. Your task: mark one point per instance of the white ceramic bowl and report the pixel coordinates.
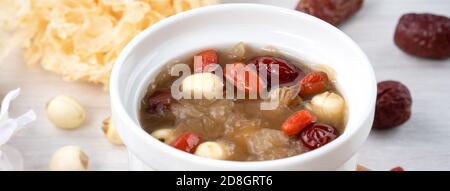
(292, 32)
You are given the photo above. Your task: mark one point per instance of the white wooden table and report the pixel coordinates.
(423, 143)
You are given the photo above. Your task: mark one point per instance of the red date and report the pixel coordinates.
(424, 35)
(186, 142)
(398, 169)
(159, 102)
(332, 11)
(318, 135)
(393, 106)
(287, 72)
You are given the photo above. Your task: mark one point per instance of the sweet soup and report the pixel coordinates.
(308, 111)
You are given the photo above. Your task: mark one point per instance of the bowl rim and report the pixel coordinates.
(125, 117)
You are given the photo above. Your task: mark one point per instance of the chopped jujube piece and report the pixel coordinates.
(297, 122)
(314, 83)
(318, 135)
(393, 106)
(208, 57)
(186, 142)
(287, 72)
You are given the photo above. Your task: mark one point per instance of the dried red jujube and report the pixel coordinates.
(332, 11)
(318, 135)
(424, 35)
(393, 106)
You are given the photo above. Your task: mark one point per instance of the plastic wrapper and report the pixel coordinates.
(10, 158)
